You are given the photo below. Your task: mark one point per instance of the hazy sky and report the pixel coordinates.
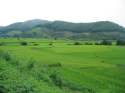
(67, 10)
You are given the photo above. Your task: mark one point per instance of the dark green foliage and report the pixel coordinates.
(97, 43)
(105, 42)
(35, 44)
(3, 75)
(61, 83)
(121, 65)
(24, 89)
(55, 38)
(50, 44)
(24, 43)
(30, 65)
(84, 27)
(3, 89)
(79, 88)
(120, 42)
(2, 43)
(5, 55)
(77, 43)
(88, 43)
(55, 65)
(56, 80)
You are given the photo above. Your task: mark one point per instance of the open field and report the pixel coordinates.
(60, 67)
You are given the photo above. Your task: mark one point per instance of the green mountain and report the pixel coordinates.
(66, 30)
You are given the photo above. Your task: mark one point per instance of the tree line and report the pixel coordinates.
(103, 42)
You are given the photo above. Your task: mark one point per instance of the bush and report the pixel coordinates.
(24, 43)
(56, 80)
(50, 44)
(3, 89)
(120, 42)
(31, 64)
(5, 55)
(77, 43)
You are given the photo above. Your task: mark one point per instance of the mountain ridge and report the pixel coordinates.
(38, 28)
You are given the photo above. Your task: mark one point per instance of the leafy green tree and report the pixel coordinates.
(120, 42)
(106, 42)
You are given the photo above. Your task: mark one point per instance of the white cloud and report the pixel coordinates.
(67, 10)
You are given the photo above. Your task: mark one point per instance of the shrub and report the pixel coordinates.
(24, 43)
(56, 80)
(5, 55)
(50, 44)
(77, 43)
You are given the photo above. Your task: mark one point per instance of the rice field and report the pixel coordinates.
(58, 66)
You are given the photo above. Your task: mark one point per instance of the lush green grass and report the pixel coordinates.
(61, 67)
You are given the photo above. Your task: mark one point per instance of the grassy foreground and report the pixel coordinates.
(61, 67)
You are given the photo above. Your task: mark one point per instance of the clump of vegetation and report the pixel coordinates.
(61, 83)
(24, 43)
(51, 44)
(97, 43)
(35, 44)
(120, 42)
(23, 88)
(55, 65)
(55, 38)
(3, 89)
(5, 55)
(88, 43)
(30, 65)
(2, 43)
(105, 42)
(56, 80)
(77, 43)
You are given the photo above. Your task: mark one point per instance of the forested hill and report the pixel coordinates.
(66, 30)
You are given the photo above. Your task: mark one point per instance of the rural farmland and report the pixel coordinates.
(59, 66)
